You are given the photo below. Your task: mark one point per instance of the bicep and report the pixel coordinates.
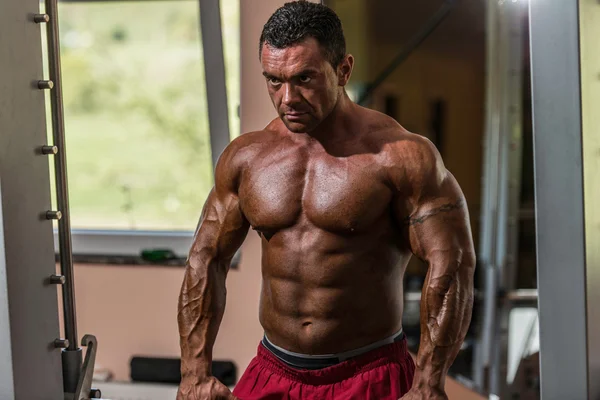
(438, 225)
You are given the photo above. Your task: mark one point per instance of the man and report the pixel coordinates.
(340, 196)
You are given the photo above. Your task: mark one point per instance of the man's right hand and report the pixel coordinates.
(207, 389)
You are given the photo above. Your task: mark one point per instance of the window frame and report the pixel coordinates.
(115, 243)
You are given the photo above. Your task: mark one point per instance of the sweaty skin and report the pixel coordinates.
(341, 197)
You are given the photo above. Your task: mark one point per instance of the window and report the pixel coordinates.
(137, 122)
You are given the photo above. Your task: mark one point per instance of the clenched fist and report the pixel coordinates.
(208, 388)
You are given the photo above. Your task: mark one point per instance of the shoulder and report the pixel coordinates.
(406, 155)
(412, 159)
(240, 153)
(415, 152)
(246, 146)
(397, 145)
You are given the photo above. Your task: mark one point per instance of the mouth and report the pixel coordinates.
(294, 116)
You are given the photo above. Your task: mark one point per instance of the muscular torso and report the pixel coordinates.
(333, 251)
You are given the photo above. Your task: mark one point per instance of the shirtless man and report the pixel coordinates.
(341, 196)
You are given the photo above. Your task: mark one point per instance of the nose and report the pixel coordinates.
(290, 95)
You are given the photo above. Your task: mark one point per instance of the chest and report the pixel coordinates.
(335, 194)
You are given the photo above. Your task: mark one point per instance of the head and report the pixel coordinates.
(304, 61)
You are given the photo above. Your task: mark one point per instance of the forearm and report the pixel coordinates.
(446, 306)
(200, 311)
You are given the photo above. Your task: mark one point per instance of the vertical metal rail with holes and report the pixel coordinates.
(77, 373)
(72, 354)
(501, 187)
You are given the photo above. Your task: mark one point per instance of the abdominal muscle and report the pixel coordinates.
(332, 304)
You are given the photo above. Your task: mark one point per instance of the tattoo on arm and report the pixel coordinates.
(419, 219)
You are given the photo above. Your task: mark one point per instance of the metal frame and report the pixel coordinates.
(214, 67)
(6, 371)
(71, 355)
(27, 243)
(555, 71)
(489, 194)
(131, 243)
(501, 188)
(511, 141)
(60, 168)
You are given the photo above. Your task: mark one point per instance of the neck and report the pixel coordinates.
(336, 124)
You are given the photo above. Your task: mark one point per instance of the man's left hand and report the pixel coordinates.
(421, 394)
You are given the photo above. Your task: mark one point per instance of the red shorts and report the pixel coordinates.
(385, 373)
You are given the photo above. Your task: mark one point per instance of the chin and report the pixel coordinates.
(297, 127)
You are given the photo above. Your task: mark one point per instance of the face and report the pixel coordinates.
(303, 85)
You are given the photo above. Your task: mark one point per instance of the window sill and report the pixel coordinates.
(124, 260)
(132, 248)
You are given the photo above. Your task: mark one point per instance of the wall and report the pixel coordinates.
(133, 311)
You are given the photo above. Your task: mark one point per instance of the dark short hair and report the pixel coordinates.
(298, 20)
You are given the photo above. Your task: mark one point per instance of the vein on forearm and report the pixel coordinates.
(201, 302)
(445, 304)
(446, 312)
(191, 310)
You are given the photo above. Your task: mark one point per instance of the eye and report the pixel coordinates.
(305, 78)
(274, 81)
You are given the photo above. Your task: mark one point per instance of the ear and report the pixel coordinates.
(344, 70)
